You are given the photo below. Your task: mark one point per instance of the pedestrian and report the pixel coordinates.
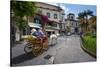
(81, 34)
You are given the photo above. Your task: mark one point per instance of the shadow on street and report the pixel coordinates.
(22, 58)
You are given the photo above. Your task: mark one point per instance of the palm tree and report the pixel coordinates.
(81, 19)
(84, 18)
(87, 13)
(92, 21)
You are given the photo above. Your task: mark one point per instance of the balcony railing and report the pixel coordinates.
(31, 24)
(53, 27)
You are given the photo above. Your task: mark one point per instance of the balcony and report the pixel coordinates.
(35, 25)
(51, 27)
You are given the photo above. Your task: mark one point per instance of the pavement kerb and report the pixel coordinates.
(86, 50)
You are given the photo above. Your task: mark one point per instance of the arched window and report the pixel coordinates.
(55, 16)
(48, 14)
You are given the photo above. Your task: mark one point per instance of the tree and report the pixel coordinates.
(93, 24)
(86, 14)
(89, 12)
(81, 19)
(84, 18)
(22, 9)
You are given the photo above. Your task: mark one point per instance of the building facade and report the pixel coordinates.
(71, 25)
(55, 17)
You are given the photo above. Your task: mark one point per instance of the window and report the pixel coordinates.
(37, 20)
(40, 11)
(72, 17)
(62, 18)
(72, 24)
(60, 26)
(55, 25)
(55, 16)
(48, 14)
(76, 24)
(50, 24)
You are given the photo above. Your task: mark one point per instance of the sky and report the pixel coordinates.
(75, 8)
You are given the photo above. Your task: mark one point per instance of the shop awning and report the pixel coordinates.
(49, 30)
(34, 25)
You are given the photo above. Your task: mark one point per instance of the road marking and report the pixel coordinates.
(68, 39)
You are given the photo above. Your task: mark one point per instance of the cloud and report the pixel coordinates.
(66, 9)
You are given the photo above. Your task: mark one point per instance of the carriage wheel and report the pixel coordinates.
(28, 48)
(37, 50)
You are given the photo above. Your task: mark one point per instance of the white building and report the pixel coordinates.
(55, 15)
(71, 23)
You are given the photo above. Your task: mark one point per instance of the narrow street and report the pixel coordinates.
(72, 52)
(67, 50)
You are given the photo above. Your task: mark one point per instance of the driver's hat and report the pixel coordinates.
(33, 30)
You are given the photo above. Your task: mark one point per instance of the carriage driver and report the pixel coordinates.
(38, 33)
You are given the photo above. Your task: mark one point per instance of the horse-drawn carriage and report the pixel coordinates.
(35, 45)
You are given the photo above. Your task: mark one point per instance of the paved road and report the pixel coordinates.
(72, 52)
(21, 59)
(65, 51)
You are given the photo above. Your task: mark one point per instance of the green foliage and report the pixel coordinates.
(84, 18)
(21, 23)
(90, 43)
(94, 27)
(88, 34)
(21, 9)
